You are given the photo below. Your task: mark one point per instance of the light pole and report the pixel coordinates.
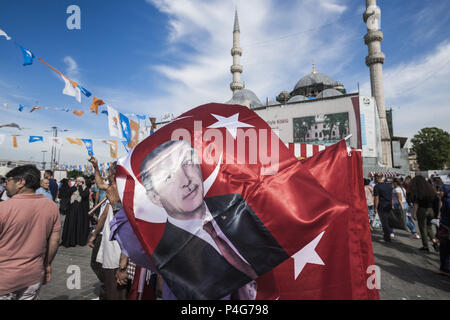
(59, 155)
(55, 135)
(43, 159)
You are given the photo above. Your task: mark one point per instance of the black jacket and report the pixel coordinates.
(193, 269)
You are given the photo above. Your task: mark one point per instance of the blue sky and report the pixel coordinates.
(166, 56)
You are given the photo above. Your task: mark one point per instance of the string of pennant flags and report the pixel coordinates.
(79, 113)
(103, 166)
(58, 142)
(119, 124)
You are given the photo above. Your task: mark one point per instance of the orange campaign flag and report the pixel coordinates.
(15, 139)
(75, 141)
(78, 112)
(35, 108)
(153, 121)
(51, 67)
(113, 148)
(73, 83)
(134, 128)
(95, 103)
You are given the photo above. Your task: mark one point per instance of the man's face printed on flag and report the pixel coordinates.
(173, 180)
(116, 122)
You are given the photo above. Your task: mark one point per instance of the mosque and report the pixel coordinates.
(319, 110)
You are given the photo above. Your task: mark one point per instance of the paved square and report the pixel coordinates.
(406, 272)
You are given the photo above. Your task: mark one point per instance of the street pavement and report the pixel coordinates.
(406, 272)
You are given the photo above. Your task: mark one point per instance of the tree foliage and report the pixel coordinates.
(339, 119)
(74, 174)
(432, 146)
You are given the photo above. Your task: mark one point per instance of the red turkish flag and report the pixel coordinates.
(346, 248)
(262, 202)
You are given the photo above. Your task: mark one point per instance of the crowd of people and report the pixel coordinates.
(405, 203)
(31, 231)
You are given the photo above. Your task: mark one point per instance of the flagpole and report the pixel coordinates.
(43, 159)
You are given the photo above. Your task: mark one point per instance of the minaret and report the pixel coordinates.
(375, 61)
(236, 52)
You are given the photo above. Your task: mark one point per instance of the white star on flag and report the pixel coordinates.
(231, 123)
(124, 125)
(306, 255)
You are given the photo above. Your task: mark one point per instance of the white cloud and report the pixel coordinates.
(72, 69)
(279, 44)
(332, 6)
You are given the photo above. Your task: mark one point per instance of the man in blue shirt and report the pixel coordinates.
(382, 193)
(48, 174)
(44, 189)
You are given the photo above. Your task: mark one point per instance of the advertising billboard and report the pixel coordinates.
(324, 129)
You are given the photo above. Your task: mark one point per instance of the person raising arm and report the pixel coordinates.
(111, 190)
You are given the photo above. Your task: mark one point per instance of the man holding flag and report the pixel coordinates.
(288, 208)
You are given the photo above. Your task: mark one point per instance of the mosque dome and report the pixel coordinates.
(245, 97)
(315, 78)
(297, 98)
(329, 93)
(314, 83)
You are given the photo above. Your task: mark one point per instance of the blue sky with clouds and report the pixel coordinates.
(166, 56)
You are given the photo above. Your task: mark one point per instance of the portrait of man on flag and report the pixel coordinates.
(220, 231)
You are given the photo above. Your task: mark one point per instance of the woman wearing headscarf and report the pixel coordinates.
(423, 196)
(64, 196)
(76, 224)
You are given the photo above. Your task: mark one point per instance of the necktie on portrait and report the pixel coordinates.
(228, 253)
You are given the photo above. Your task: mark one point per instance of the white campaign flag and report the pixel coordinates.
(70, 90)
(3, 33)
(114, 123)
